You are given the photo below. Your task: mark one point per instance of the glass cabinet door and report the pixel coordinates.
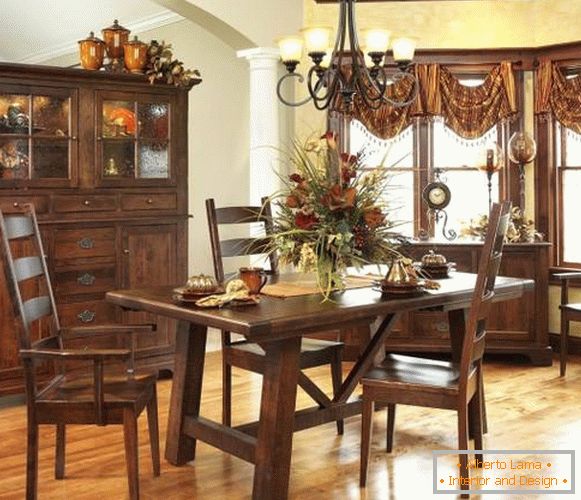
(37, 143)
(134, 139)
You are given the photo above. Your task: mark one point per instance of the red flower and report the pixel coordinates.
(347, 174)
(374, 217)
(292, 201)
(337, 199)
(348, 159)
(305, 221)
(296, 178)
(331, 138)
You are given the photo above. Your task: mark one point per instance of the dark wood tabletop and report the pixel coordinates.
(276, 317)
(278, 325)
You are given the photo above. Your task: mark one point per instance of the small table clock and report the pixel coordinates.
(437, 196)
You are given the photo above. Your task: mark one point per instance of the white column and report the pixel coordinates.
(264, 122)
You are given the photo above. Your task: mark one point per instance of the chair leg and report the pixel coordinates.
(366, 428)
(475, 423)
(337, 379)
(564, 343)
(463, 445)
(482, 401)
(390, 427)
(32, 462)
(153, 426)
(59, 467)
(227, 394)
(131, 456)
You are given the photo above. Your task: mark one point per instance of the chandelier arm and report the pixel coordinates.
(324, 103)
(319, 84)
(401, 75)
(295, 104)
(360, 74)
(341, 29)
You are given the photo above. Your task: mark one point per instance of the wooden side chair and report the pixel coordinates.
(440, 384)
(71, 396)
(248, 355)
(569, 312)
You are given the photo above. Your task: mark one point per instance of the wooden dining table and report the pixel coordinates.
(278, 325)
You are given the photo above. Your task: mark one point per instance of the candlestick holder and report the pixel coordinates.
(490, 161)
(522, 149)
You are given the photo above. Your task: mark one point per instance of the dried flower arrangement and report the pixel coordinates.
(520, 229)
(161, 66)
(332, 214)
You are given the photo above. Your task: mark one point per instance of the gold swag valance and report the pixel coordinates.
(469, 111)
(557, 94)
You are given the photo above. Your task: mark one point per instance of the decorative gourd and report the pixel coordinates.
(433, 259)
(201, 283)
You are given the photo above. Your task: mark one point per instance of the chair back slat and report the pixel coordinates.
(489, 266)
(239, 215)
(28, 267)
(238, 247)
(35, 309)
(19, 226)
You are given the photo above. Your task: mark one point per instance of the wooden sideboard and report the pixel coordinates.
(103, 157)
(514, 327)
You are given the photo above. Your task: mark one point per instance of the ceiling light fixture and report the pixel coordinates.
(338, 75)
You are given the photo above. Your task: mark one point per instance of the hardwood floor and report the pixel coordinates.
(528, 408)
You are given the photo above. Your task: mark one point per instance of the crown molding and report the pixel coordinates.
(139, 26)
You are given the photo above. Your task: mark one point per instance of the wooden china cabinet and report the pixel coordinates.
(103, 157)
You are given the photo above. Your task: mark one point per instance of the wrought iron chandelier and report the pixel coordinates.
(337, 76)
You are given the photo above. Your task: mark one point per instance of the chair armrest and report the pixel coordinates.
(90, 331)
(567, 276)
(77, 354)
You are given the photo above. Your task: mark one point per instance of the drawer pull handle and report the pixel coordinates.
(86, 279)
(126, 251)
(149, 201)
(86, 203)
(86, 243)
(86, 316)
(16, 204)
(442, 326)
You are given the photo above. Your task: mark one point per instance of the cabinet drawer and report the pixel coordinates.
(85, 203)
(86, 313)
(84, 281)
(90, 242)
(149, 202)
(14, 203)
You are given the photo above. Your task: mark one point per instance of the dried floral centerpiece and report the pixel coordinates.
(520, 229)
(161, 66)
(332, 214)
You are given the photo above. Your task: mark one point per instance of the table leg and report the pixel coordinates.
(186, 390)
(457, 320)
(275, 431)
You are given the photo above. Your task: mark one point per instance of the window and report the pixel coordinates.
(568, 162)
(455, 158)
(396, 155)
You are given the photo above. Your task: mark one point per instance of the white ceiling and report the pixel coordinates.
(33, 31)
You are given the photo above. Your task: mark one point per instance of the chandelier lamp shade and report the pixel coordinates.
(341, 72)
